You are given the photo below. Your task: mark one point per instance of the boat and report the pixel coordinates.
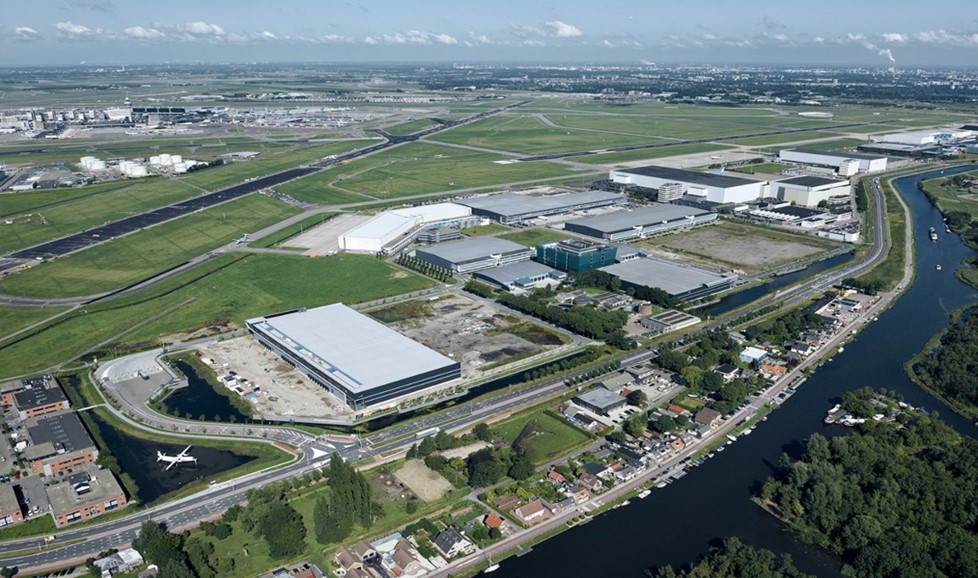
(933, 234)
(492, 566)
(841, 349)
(644, 494)
(938, 266)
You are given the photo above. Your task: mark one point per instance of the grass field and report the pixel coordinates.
(763, 168)
(229, 289)
(315, 189)
(217, 178)
(550, 439)
(417, 168)
(410, 127)
(287, 233)
(485, 230)
(529, 135)
(120, 262)
(835, 145)
(950, 198)
(782, 138)
(534, 237)
(16, 318)
(648, 154)
(77, 212)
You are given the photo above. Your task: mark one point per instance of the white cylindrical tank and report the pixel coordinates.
(165, 159)
(154, 160)
(137, 171)
(176, 158)
(179, 167)
(97, 165)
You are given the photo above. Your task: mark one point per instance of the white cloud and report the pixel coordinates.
(419, 38)
(607, 43)
(335, 39)
(370, 40)
(479, 38)
(946, 38)
(71, 31)
(26, 33)
(709, 37)
(564, 30)
(895, 38)
(199, 28)
(142, 33)
(780, 37)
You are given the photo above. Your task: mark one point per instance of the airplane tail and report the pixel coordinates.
(159, 456)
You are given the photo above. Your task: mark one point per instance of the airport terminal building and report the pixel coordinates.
(640, 223)
(360, 361)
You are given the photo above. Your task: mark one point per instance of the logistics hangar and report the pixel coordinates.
(713, 187)
(643, 222)
(474, 254)
(681, 280)
(514, 208)
(360, 361)
(846, 164)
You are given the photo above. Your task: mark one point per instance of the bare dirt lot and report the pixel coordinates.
(427, 484)
(323, 239)
(742, 247)
(284, 391)
(471, 331)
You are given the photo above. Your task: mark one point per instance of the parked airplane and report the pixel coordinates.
(242, 239)
(182, 458)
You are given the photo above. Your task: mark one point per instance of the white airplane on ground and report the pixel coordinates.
(182, 458)
(241, 240)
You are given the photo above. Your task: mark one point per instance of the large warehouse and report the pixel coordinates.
(525, 275)
(716, 188)
(474, 254)
(809, 191)
(391, 230)
(360, 361)
(514, 208)
(847, 164)
(680, 280)
(642, 222)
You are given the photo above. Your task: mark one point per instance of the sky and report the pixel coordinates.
(830, 32)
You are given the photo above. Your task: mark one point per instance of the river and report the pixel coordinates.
(677, 524)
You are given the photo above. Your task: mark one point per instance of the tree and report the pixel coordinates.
(482, 431)
(522, 466)
(635, 424)
(176, 569)
(692, 375)
(638, 398)
(158, 546)
(484, 468)
(427, 446)
(283, 530)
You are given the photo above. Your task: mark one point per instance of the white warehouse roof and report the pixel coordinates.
(377, 232)
(435, 212)
(357, 351)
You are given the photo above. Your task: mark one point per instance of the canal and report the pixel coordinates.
(677, 524)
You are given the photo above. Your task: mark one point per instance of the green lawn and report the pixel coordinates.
(836, 145)
(75, 212)
(782, 138)
(950, 198)
(486, 230)
(229, 289)
(551, 439)
(314, 189)
(123, 261)
(534, 237)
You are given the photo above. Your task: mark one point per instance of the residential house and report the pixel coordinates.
(565, 504)
(773, 372)
(596, 469)
(753, 355)
(800, 348)
(585, 421)
(346, 561)
(707, 417)
(533, 513)
(640, 373)
(728, 371)
(494, 521)
(122, 561)
(579, 493)
(450, 542)
(556, 478)
(364, 551)
(677, 444)
(675, 409)
(625, 473)
(591, 482)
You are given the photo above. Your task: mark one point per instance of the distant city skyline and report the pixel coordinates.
(897, 33)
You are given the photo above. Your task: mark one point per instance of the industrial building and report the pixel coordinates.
(680, 280)
(845, 164)
(525, 275)
(809, 191)
(576, 255)
(10, 512)
(40, 400)
(85, 495)
(926, 136)
(600, 400)
(360, 361)
(391, 230)
(474, 254)
(59, 443)
(668, 321)
(712, 187)
(510, 208)
(640, 223)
